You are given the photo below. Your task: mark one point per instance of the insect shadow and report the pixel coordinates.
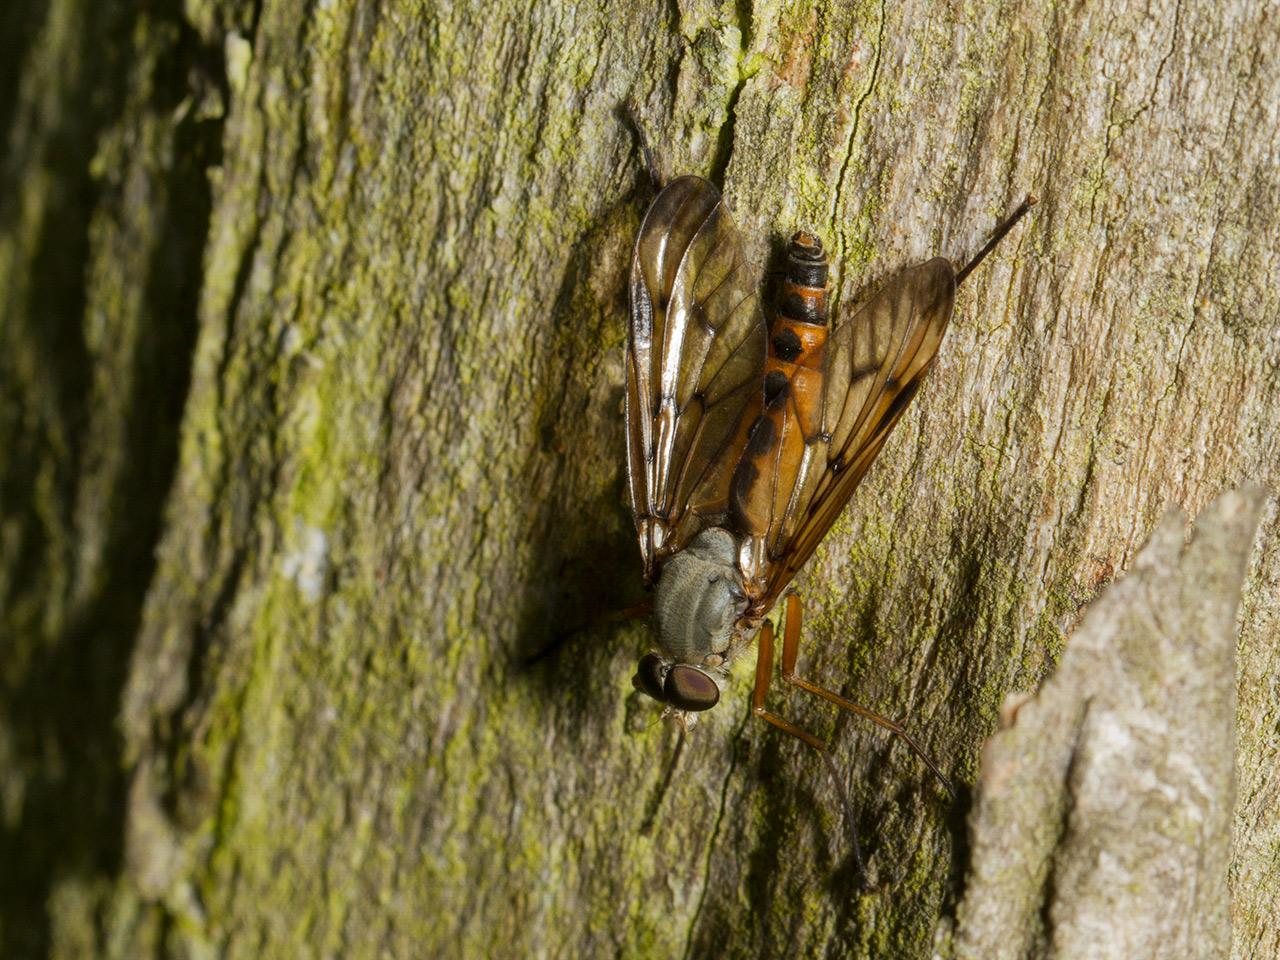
(583, 563)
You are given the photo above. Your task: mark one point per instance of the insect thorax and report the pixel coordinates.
(700, 599)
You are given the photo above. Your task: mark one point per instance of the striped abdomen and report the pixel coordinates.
(769, 471)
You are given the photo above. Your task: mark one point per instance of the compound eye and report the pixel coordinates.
(648, 676)
(688, 688)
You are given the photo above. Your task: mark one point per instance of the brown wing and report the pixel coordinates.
(875, 363)
(695, 356)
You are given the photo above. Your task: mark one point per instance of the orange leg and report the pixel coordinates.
(638, 611)
(764, 671)
(790, 649)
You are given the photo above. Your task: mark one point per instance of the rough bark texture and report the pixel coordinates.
(311, 450)
(1102, 822)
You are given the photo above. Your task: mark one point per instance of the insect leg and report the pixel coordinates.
(764, 670)
(996, 237)
(635, 612)
(790, 649)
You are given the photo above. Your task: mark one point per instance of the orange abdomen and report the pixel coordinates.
(767, 475)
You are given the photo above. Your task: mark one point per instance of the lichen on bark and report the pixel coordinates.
(310, 390)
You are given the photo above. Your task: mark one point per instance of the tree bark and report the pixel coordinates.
(1102, 826)
(311, 457)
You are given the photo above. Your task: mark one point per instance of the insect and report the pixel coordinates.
(746, 437)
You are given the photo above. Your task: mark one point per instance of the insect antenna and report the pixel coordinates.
(1001, 230)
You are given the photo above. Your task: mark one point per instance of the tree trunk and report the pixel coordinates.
(312, 460)
(1103, 821)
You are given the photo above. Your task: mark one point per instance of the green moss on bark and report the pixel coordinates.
(350, 705)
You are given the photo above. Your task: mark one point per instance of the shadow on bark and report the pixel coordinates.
(62, 707)
(584, 574)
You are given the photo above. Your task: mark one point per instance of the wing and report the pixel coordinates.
(876, 361)
(695, 358)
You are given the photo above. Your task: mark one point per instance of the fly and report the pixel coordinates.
(747, 436)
